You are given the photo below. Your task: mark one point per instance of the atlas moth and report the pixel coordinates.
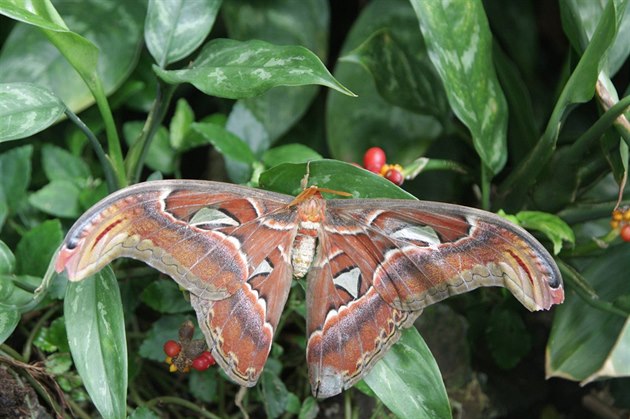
(371, 265)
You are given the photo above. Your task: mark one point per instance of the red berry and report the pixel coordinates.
(625, 233)
(394, 176)
(373, 159)
(209, 357)
(201, 363)
(172, 348)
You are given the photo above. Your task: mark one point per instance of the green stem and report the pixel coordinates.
(181, 402)
(486, 175)
(347, 405)
(7, 350)
(588, 212)
(593, 134)
(138, 151)
(113, 141)
(110, 174)
(594, 246)
(76, 409)
(585, 291)
(28, 345)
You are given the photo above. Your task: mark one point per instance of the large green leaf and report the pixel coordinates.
(225, 142)
(460, 46)
(580, 19)
(7, 259)
(234, 69)
(408, 380)
(261, 120)
(59, 164)
(96, 334)
(37, 247)
(59, 198)
(587, 343)
(9, 318)
(112, 27)
(400, 77)
(578, 89)
(174, 29)
(355, 124)
(15, 175)
(26, 109)
(330, 174)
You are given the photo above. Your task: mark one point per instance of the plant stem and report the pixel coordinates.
(486, 175)
(586, 292)
(113, 141)
(588, 212)
(181, 402)
(106, 164)
(26, 352)
(588, 139)
(138, 151)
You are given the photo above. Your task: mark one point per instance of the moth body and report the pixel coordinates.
(310, 214)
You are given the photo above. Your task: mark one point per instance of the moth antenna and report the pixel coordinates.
(304, 182)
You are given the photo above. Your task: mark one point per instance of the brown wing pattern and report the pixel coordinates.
(239, 329)
(199, 233)
(380, 263)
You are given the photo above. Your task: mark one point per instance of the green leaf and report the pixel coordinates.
(96, 335)
(587, 343)
(309, 409)
(59, 164)
(9, 319)
(551, 225)
(460, 46)
(232, 69)
(161, 156)
(26, 109)
(330, 174)
(407, 380)
(580, 19)
(401, 78)
(289, 153)
(260, 121)
(58, 364)
(53, 338)
(225, 142)
(114, 29)
(274, 393)
(7, 259)
(355, 124)
(16, 297)
(180, 124)
(508, 338)
(203, 385)
(143, 412)
(15, 175)
(578, 89)
(59, 198)
(174, 29)
(165, 297)
(4, 208)
(37, 247)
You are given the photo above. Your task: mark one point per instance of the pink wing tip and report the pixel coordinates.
(557, 295)
(63, 261)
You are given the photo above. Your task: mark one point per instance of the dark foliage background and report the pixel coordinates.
(513, 106)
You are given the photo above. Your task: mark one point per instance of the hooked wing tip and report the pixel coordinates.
(64, 261)
(557, 295)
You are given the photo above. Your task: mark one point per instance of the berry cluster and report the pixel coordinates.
(188, 352)
(621, 220)
(375, 161)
